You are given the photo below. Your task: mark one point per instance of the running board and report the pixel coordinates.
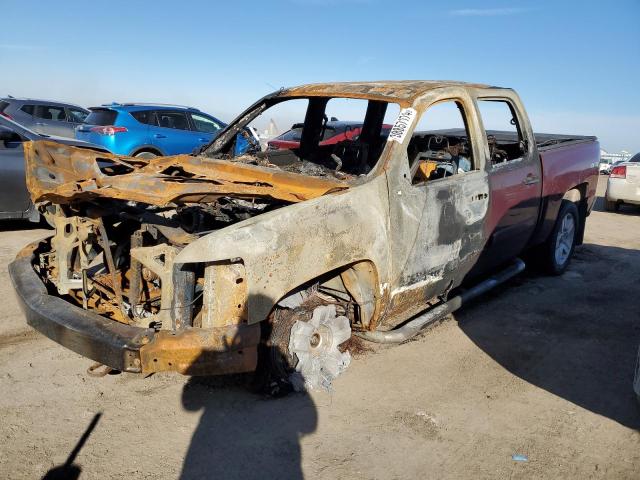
(413, 327)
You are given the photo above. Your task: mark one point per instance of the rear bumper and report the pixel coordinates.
(193, 351)
(619, 189)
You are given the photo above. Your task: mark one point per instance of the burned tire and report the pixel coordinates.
(558, 250)
(300, 350)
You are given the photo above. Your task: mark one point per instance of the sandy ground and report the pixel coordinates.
(543, 368)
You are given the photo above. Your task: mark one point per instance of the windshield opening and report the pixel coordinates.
(317, 136)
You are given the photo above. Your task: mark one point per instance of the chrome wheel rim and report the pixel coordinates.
(564, 240)
(315, 345)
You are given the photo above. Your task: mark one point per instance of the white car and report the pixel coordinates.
(623, 185)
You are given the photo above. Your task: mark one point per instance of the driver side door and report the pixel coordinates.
(439, 196)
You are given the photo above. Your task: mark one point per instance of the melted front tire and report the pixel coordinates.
(275, 362)
(300, 350)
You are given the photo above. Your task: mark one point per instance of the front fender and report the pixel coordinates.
(285, 248)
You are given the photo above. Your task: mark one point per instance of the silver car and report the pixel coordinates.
(44, 116)
(15, 201)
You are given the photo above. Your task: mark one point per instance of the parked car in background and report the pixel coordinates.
(14, 196)
(147, 131)
(335, 131)
(623, 185)
(44, 116)
(604, 167)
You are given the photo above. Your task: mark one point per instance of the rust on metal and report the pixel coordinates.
(197, 351)
(402, 92)
(61, 174)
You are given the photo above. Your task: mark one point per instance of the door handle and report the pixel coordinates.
(159, 135)
(531, 179)
(203, 139)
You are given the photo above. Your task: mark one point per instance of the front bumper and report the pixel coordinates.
(191, 351)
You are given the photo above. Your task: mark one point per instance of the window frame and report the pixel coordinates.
(464, 108)
(523, 134)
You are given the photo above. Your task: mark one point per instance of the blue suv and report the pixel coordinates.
(147, 131)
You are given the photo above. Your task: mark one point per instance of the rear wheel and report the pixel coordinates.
(610, 205)
(146, 155)
(558, 250)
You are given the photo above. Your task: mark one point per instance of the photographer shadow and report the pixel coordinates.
(245, 435)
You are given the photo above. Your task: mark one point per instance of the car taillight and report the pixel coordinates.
(619, 172)
(6, 115)
(109, 130)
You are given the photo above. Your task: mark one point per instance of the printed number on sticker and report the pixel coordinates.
(402, 125)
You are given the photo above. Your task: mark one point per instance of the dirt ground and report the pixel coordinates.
(543, 368)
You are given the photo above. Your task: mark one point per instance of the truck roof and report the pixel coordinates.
(395, 91)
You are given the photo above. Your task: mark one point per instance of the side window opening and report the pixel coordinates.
(175, 120)
(28, 109)
(440, 145)
(50, 112)
(146, 117)
(205, 124)
(504, 135)
(76, 115)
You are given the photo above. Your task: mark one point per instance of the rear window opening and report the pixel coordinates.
(101, 117)
(316, 136)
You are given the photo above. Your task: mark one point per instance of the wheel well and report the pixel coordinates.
(359, 281)
(578, 195)
(155, 151)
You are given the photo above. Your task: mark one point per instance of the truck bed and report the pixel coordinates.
(544, 141)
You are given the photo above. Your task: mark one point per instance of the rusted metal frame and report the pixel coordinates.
(135, 281)
(62, 174)
(176, 284)
(106, 248)
(199, 351)
(224, 295)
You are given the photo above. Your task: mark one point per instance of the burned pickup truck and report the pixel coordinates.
(228, 259)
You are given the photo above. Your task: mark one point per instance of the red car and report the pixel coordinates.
(335, 132)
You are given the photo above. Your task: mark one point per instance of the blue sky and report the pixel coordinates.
(575, 64)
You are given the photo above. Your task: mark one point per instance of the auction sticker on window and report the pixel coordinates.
(402, 125)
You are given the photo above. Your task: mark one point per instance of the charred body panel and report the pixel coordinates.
(192, 256)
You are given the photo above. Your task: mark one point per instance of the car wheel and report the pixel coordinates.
(559, 248)
(145, 155)
(301, 350)
(610, 205)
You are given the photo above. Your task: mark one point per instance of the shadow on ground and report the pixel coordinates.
(575, 336)
(245, 435)
(633, 210)
(242, 435)
(70, 470)
(12, 225)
